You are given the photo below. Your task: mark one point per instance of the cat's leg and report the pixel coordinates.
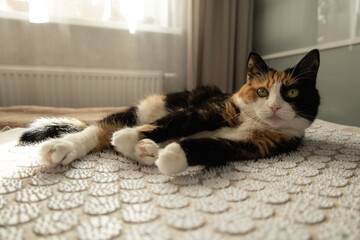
(149, 110)
(70, 147)
(161, 118)
(176, 157)
(130, 143)
(75, 145)
(156, 107)
(126, 140)
(174, 125)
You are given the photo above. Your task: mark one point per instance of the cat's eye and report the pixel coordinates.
(292, 93)
(262, 92)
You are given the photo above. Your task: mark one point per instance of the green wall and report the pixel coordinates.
(281, 25)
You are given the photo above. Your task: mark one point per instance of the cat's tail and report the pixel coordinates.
(45, 128)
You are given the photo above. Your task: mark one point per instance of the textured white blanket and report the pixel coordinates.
(313, 193)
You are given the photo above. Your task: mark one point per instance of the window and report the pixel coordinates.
(338, 20)
(284, 27)
(134, 15)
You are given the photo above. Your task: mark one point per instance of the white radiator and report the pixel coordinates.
(69, 87)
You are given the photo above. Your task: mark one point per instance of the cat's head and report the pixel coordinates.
(280, 99)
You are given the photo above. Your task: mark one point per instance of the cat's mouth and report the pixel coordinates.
(274, 120)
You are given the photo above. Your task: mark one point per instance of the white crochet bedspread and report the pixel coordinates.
(313, 193)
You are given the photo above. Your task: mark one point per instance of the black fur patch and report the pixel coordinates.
(210, 152)
(305, 72)
(41, 133)
(306, 103)
(127, 118)
(177, 100)
(217, 152)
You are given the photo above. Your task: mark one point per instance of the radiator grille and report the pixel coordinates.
(63, 87)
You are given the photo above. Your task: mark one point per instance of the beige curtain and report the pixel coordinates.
(219, 40)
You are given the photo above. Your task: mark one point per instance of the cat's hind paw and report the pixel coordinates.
(146, 151)
(172, 160)
(57, 151)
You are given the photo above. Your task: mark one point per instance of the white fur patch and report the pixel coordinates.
(150, 110)
(295, 127)
(40, 122)
(241, 132)
(172, 160)
(124, 141)
(146, 151)
(70, 147)
(275, 99)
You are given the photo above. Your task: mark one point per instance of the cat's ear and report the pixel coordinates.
(308, 66)
(255, 66)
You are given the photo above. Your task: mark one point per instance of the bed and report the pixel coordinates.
(313, 193)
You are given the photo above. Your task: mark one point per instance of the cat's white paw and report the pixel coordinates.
(172, 160)
(57, 151)
(146, 151)
(124, 141)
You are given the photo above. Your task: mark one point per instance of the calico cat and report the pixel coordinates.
(267, 116)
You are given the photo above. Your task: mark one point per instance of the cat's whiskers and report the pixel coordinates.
(293, 71)
(255, 119)
(231, 118)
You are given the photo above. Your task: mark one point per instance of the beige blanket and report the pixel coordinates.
(21, 116)
(313, 193)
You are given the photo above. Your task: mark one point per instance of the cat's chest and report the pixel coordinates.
(241, 131)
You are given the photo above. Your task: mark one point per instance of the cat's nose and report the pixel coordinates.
(274, 108)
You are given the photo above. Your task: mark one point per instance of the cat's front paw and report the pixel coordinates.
(57, 151)
(172, 160)
(146, 151)
(124, 141)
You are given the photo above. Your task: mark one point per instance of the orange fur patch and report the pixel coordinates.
(105, 132)
(230, 115)
(283, 77)
(265, 140)
(144, 128)
(248, 93)
(151, 98)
